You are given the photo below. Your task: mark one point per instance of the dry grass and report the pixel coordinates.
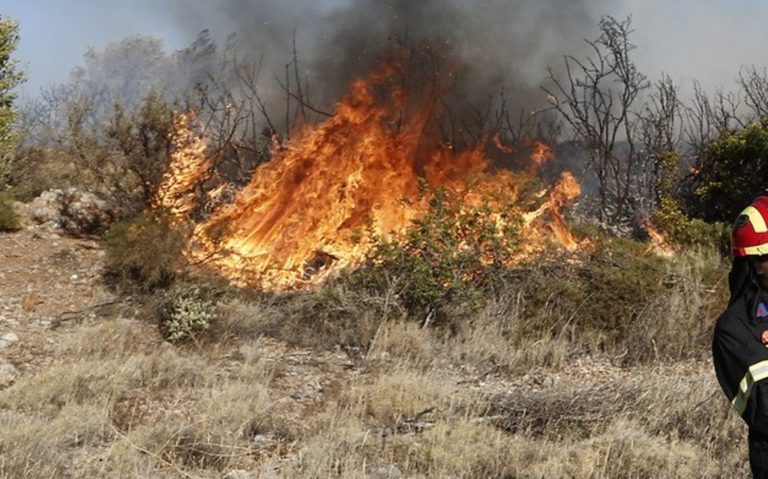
(504, 393)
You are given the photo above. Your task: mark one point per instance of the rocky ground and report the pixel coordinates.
(48, 283)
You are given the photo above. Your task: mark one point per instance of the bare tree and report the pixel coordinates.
(754, 85)
(660, 136)
(596, 99)
(705, 118)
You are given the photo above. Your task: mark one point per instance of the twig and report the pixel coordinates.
(76, 314)
(301, 100)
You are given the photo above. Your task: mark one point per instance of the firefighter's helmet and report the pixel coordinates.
(750, 230)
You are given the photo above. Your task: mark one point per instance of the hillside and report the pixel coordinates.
(95, 391)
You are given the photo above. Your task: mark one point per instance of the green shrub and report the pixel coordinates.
(9, 220)
(145, 254)
(686, 232)
(187, 309)
(732, 172)
(621, 299)
(448, 257)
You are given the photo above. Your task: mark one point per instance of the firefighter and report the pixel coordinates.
(740, 344)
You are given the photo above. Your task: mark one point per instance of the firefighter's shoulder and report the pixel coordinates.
(734, 321)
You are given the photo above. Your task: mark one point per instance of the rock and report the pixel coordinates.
(390, 471)
(7, 374)
(238, 474)
(47, 207)
(29, 302)
(73, 210)
(8, 339)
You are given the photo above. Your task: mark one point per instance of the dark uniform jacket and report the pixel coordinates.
(740, 353)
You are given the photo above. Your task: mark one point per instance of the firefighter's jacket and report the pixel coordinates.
(740, 353)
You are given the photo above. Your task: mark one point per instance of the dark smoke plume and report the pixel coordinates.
(488, 43)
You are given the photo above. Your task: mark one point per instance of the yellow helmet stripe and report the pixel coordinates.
(757, 220)
(759, 250)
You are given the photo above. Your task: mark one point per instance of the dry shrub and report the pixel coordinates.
(398, 396)
(623, 300)
(86, 381)
(109, 339)
(333, 316)
(216, 431)
(660, 411)
(400, 341)
(678, 323)
(41, 447)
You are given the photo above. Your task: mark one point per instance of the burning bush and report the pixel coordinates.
(374, 166)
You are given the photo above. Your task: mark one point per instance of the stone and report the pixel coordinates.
(389, 471)
(238, 474)
(7, 374)
(8, 339)
(47, 207)
(30, 301)
(72, 210)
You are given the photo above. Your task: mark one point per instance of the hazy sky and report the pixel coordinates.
(689, 39)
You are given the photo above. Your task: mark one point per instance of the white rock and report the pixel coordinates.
(10, 337)
(238, 474)
(390, 471)
(7, 374)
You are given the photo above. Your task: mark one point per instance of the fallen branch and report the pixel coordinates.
(72, 315)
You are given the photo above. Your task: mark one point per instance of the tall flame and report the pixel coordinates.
(188, 167)
(363, 169)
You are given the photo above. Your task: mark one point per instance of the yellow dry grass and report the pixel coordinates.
(486, 400)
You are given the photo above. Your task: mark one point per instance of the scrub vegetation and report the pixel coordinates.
(446, 353)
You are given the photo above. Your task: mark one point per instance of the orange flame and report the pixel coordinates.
(188, 167)
(659, 243)
(542, 154)
(299, 219)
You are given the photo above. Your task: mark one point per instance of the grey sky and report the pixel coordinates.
(706, 40)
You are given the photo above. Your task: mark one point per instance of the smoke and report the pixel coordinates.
(488, 43)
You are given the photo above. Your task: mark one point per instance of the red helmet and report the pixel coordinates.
(750, 231)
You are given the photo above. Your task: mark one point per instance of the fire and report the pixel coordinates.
(363, 170)
(659, 243)
(188, 167)
(542, 154)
